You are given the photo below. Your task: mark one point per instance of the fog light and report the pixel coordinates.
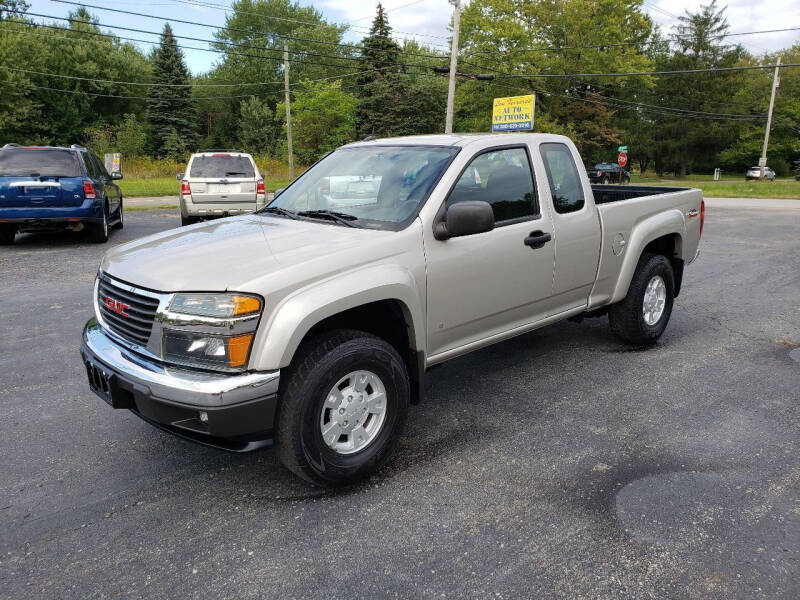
(203, 416)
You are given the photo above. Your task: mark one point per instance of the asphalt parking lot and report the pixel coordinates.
(560, 464)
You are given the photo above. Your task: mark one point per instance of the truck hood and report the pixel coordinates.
(229, 254)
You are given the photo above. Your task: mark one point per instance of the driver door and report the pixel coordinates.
(488, 284)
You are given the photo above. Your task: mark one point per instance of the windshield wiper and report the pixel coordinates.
(227, 173)
(332, 215)
(277, 210)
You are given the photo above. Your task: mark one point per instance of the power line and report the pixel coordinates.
(223, 28)
(639, 73)
(193, 98)
(228, 8)
(622, 44)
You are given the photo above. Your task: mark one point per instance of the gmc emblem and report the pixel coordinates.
(116, 306)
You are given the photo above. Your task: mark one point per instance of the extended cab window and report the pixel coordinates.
(562, 175)
(503, 179)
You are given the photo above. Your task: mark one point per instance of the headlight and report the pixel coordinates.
(215, 305)
(210, 331)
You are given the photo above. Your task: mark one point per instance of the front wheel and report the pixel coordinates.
(121, 222)
(605, 181)
(98, 232)
(641, 317)
(343, 407)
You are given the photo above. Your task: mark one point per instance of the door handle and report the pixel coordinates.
(537, 239)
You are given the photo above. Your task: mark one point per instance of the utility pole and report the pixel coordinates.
(451, 90)
(775, 82)
(288, 109)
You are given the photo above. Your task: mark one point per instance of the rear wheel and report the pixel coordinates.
(343, 407)
(98, 232)
(604, 181)
(642, 316)
(7, 234)
(187, 220)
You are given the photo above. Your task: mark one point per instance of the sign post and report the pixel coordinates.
(514, 113)
(622, 160)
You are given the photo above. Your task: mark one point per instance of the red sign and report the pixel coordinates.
(622, 159)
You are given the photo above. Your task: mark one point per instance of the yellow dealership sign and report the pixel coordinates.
(514, 113)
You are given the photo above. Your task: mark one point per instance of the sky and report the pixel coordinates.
(427, 21)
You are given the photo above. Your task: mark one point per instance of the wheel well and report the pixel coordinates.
(670, 247)
(388, 320)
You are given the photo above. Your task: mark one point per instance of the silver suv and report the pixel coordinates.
(219, 184)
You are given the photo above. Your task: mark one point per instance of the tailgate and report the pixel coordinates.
(223, 191)
(40, 192)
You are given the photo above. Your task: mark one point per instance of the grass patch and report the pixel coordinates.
(729, 186)
(135, 187)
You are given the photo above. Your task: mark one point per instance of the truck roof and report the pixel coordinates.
(457, 139)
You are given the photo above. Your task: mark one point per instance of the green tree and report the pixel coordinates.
(170, 108)
(132, 136)
(257, 130)
(261, 28)
(12, 8)
(323, 118)
(57, 109)
(381, 87)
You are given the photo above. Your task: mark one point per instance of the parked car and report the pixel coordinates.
(606, 173)
(220, 184)
(44, 188)
(312, 327)
(755, 173)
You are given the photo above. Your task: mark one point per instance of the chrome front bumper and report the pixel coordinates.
(234, 412)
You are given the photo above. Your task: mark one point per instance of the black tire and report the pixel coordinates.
(98, 232)
(320, 363)
(7, 234)
(604, 181)
(187, 221)
(121, 223)
(627, 317)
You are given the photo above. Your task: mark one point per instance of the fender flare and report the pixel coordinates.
(670, 222)
(287, 325)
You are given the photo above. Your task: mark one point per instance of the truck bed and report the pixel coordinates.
(603, 194)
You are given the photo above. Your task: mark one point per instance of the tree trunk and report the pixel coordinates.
(682, 174)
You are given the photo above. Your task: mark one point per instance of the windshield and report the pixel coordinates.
(381, 186)
(38, 162)
(219, 166)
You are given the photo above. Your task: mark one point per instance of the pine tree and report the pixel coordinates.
(170, 110)
(380, 89)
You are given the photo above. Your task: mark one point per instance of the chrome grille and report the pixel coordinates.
(140, 311)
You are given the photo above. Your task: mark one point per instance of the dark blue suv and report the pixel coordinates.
(45, 188)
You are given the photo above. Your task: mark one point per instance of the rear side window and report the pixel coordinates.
(38, 162)
(562, 175)
(503, 179)
(91, 166)
(221, 166)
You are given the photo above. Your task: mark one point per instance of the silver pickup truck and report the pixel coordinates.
(310, 324)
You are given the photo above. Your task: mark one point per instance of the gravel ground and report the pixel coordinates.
(560, 464)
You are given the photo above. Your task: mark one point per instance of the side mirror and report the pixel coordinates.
(277, 193)
(179, 176)
(465, 218)
(116, 176)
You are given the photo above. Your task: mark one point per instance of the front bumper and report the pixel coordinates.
(232, 412)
